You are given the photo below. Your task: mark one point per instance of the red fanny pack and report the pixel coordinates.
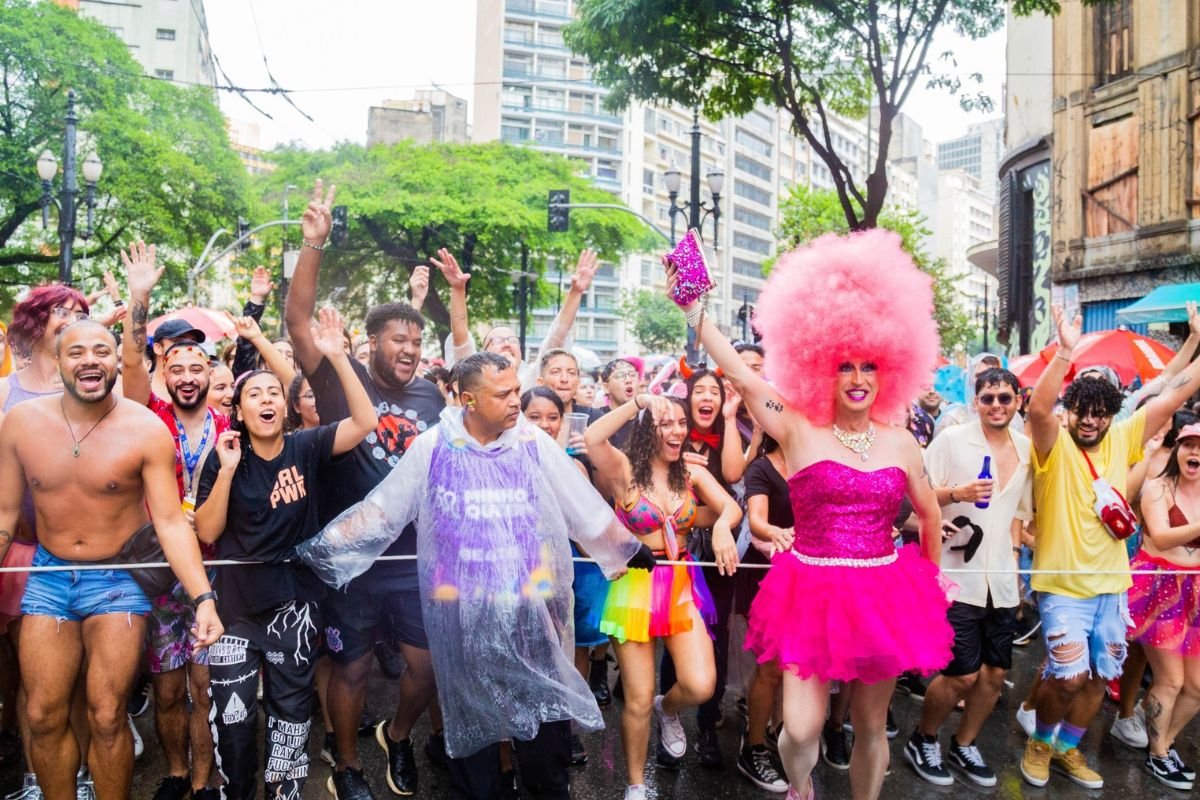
(1111, 506)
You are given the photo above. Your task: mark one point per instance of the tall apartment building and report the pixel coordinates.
(531, 90)
(977, 152)
(169, 38)
(964, 218)
(430, 116)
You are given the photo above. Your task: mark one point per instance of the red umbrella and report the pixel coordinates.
(1027, 368)
(214, 324)
(1129, 354)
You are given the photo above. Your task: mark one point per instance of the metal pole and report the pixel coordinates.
(694, 181)
(745, 316)
(523, 294)
(283, 280)
(66, 217)
(985, 315)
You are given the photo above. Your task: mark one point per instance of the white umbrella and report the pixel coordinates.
(588, 359)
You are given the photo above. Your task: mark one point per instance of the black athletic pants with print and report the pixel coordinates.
(543, 761)
(283, 642)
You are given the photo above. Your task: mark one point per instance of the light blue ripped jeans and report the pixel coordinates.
(1084, 635)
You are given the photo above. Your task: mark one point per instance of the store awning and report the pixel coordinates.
(1164, 304)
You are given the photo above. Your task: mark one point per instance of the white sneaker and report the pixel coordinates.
(84, 789)
(635, 792)
(1130, 731)
(670, 730)
(1027, 719)
(139, 746)
(29, 789)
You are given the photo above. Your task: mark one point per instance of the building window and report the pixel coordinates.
(750, 192)
(552, 67)
(752, 167)
(166, 34)
(751, 243)
(604, 330)
(648, 181)
(165, 74)
(752, 142)
(1114, 40)
(752, 269)
(748, 217)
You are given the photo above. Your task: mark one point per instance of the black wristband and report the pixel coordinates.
(201, 598)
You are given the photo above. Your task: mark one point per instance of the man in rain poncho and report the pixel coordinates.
(495, 501)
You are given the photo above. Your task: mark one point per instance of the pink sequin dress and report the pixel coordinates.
(844, 604)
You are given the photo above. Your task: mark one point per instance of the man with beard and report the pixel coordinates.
(384, 603)
(175, 664)
(984, 613)
(1083, 613)
(95, 464)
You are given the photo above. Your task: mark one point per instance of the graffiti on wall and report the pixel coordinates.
(1036, 180)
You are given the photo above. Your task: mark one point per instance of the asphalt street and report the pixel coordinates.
(603, 777)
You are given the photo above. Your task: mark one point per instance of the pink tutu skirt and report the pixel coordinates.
(867, 623)
(1165, 607)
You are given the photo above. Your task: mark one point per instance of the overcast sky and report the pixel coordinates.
(340, 58)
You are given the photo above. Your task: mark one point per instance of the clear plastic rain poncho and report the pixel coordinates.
(495, 567)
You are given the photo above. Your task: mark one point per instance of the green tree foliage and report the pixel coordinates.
(807, 58)
(170, 175)
(808, 213)
(481, 201)
(656, 322)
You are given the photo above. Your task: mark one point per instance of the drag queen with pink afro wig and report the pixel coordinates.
(847, 326)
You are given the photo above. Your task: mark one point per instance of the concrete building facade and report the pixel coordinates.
(169, 38)
(1126, 169)
(431, 116)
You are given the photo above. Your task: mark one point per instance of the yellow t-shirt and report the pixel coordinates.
(1069, 534)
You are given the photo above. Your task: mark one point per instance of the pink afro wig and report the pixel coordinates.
(842, 298)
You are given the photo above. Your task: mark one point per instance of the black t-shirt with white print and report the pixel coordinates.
(272, 510)
(404, 415)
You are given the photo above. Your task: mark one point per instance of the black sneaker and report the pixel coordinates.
(598, 681)
(834, 750)
(349, 785)
(578, 751)
(925, 755)
(1183, 768)
(402, 764)
(771, 740)
(967, 760)
(329, 750)
(207, 793)
(390, 662)
(367, 723)
(757, 765)
(892, 729)
(709, 750)
(139, 701)
(664, 759)
(910, 684)
(173, 787)
(1165, 770)
(435, 751)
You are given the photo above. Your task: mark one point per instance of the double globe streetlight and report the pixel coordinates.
(47, 168)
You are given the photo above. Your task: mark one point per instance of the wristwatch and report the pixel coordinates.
(202, 597)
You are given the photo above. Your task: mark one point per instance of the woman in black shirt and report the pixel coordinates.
(256, 503)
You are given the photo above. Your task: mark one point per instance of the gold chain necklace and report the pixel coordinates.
(75, 450)
(856, 442)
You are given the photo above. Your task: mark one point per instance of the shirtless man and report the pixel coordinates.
(93, 463)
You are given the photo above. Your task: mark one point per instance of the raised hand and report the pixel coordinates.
(113, 317)
(448, 264)
(112, 287)
(733, 401)
(328, 336)
(1193, 317)
(317, 220)
(657, 405)
(260, 285)
(585, 271)
(418, 285)
(141, 275)
(246, 327)
(229, 450)
(1068, 332)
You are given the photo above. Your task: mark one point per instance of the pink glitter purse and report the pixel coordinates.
(694, 279)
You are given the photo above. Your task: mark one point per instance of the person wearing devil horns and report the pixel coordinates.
(842, 604)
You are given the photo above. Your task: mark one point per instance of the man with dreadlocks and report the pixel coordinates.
(1083, 608)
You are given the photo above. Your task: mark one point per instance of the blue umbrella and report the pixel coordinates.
(948, 381)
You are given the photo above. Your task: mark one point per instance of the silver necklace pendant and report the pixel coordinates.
(75, 451)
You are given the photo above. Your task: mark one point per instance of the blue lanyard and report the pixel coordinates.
(192, 460)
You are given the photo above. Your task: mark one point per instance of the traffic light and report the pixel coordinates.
(341, 226)
(558, 216)
(243, 230)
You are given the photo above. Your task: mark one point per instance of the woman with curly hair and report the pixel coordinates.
(842, 604)
(656, 495)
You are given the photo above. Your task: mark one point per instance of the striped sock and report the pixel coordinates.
(1044, 732)
(1068, 737)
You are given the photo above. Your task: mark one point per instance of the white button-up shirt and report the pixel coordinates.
(955, 458)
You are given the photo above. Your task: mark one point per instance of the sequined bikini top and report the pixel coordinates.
(643, 516)
(843, 512)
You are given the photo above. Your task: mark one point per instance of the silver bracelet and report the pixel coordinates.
(695, 315)
(320, 249)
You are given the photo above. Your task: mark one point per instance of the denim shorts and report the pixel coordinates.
(1090, 630)
(76, 594)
